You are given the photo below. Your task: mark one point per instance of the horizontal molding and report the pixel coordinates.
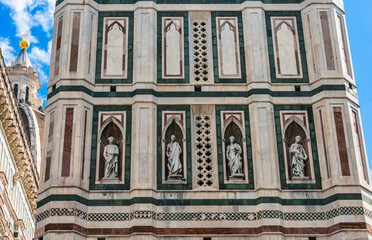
(204, 231)
(192, 1)
(197, 94)
(203, 202)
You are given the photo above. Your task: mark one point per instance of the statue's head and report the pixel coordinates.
(173, 138)
(298, 139)
(232, 139)
(111, 140)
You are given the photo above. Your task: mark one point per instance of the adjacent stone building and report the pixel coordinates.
(202, 120)
(19, 179)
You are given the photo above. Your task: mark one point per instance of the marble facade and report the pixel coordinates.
(261, 72)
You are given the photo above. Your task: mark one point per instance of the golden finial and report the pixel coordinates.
(24, 43)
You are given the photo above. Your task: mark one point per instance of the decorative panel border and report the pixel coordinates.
(188, 181)
(281, 156)
(204, 216)
(243, 75)
(186, 70)
(302, 50)
(129, 70)
(220, 152)
(128, 143)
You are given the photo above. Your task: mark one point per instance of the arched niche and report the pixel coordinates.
(233, 128)
(296, 128)
(173, 128)
(111, 128)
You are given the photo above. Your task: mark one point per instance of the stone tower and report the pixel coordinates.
(202, 120)
(25, 83)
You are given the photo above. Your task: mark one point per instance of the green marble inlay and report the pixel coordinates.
(190, 94)
(302, 49)
(217, 79)
(128, 143)
(159, 174)
(101, 17)
(205, 202)
(283, 178)
(186, 64)
(222, 185)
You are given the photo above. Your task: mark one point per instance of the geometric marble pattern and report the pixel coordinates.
(207, 216)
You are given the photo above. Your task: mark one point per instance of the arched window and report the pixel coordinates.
(27, 94)
(15, 89)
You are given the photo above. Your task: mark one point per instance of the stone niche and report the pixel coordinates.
(111, 124)
(174, 147)
(297, 147)
(234, 147)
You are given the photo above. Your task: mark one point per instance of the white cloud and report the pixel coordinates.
(39, 56)
(43, 77)
(27, 14)
(7, 50)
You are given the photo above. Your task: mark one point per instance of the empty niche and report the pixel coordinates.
(286, 47)
(115, 48)
(111, 149)
(234, 147)
(174, 148)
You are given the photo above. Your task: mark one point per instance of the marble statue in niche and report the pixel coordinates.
(298, 157)
(173, 153)
(111, 155)
(234, 158)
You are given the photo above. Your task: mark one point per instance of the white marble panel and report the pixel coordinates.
(286, 47)
(228, 47)
(173, 52)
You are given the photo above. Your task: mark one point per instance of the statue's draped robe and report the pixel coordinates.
(233, 155)
(174, 162)
(298, 159)
(111, 153)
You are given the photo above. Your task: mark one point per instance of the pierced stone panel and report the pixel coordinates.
(200, 50)
(203, 145)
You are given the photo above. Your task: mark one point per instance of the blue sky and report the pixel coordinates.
(36, 18)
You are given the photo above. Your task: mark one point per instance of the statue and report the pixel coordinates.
(299, 157)
(173, 153)
(233, 155)
(111, 155)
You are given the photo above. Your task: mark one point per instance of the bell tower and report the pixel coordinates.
(202, 120)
